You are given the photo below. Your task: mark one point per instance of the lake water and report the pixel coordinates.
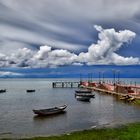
(17, 118)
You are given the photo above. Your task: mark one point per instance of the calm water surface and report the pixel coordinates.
(17, 118)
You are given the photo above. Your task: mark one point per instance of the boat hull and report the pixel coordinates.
(50, 111)
(88, 95)
(80, 98)
(83, 91)
(2, 90)
(30, 90)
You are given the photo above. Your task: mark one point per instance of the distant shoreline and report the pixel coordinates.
(64, 78)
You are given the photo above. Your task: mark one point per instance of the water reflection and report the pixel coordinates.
(47, 117)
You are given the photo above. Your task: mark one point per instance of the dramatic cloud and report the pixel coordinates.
(103, 52)
(63, 24)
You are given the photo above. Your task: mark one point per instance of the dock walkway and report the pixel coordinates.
(111, 92)
(106, 91)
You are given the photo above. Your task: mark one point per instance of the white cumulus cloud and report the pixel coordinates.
(103, 52)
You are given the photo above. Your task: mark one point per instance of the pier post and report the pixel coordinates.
(71, 84)
(62, 85)
(99, 77)
(135, 87)
(53, 85)
(103, 77)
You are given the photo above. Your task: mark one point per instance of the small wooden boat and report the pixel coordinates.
(50, 111)
(83, 98)
(2, 90)
(90, 95)
(131, 99)
(125, 97)
(83, 91)
(30, 90)
(84, 95)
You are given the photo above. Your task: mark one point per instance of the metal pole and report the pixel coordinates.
(80, 80)
(99, 77)
(114, 72)
(80, 77)
(88, 78)
(103, 77)
(118, 77)
(91, 77)
(114, 76)
(135, 87)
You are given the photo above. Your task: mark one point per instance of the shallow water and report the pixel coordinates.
(17, 118)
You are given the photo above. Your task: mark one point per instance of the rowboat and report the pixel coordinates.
(83, 91)
(30, 90)
(90, 95)
(127, 98)
(50, 111)
(84, 95)
(83, 98)
(2, 90)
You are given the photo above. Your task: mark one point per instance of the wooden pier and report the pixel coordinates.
(106, 91)
(65, 84)
(112, 92)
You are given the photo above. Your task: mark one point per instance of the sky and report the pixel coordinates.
(58, 35)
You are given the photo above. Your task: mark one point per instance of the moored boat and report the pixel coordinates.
(90, 95)
(83, 98)
(2, 90)
(84, 95)
(50, 111)
(30, 90)
(83, 91)
(127, 98)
